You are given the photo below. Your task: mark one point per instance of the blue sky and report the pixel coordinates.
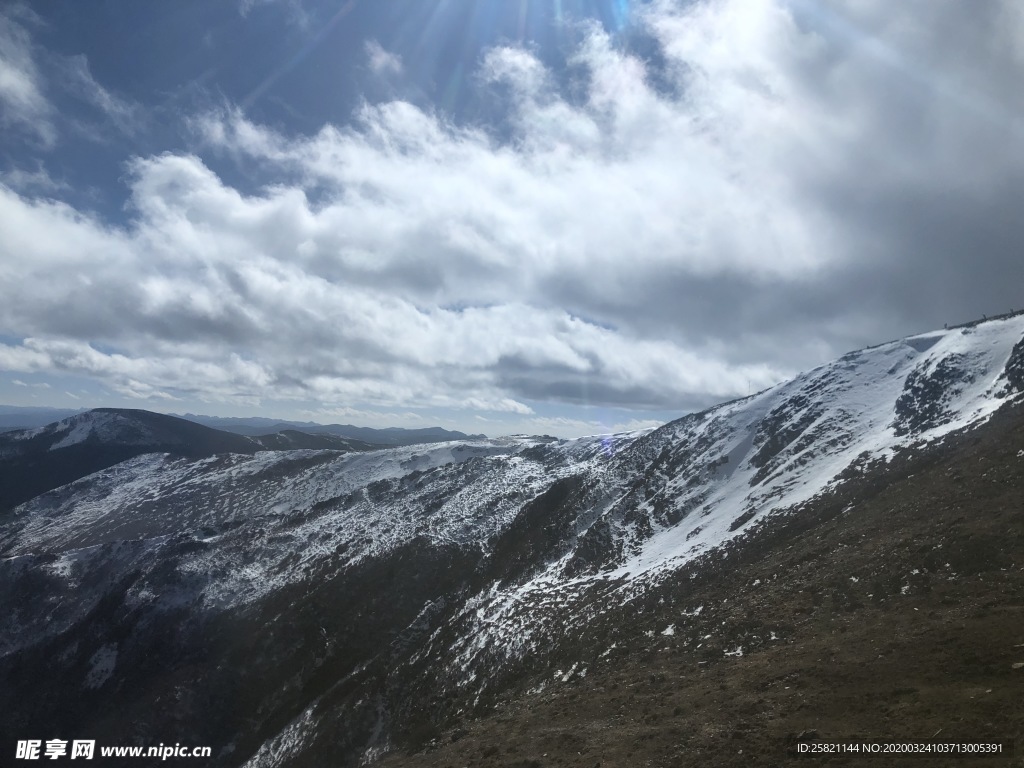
(564, 217)
(294, 66)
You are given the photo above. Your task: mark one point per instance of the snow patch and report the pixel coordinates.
(102, 666)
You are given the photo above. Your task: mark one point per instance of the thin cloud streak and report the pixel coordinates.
(23, 102)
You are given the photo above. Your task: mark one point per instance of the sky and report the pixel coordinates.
(564, 217)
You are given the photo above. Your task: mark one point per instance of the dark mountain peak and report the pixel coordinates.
(33, 461)
(126, 428)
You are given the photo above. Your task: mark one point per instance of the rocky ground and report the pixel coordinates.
(891, 609)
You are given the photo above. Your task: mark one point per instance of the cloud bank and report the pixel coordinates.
(771, 184)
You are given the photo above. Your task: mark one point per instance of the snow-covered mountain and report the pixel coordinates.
(709, 476)
(33, 461)
(125, 428)
(272, 596)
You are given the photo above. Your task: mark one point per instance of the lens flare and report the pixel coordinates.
(442, 42)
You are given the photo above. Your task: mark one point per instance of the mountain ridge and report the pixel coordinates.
(98, 438)
(388, 436)
(37, 460)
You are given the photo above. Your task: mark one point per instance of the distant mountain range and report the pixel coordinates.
(389, 436)
(33, 461)
(20, 417)
(41, 458)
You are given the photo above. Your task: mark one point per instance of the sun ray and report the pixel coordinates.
(310, 45)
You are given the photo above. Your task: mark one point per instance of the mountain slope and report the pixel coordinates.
(398, 590)
(294, 440)
(34, 461)
(889, 609)
(37, 460)
(712, 474)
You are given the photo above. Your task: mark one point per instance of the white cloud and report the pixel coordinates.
(362, 416)
(381, 61)
(23, 103)
(207, 269)
(656, 240)
(35, 84)
(37, 181)
(124, 115)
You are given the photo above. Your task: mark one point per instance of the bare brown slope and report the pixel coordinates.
(892, 609)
